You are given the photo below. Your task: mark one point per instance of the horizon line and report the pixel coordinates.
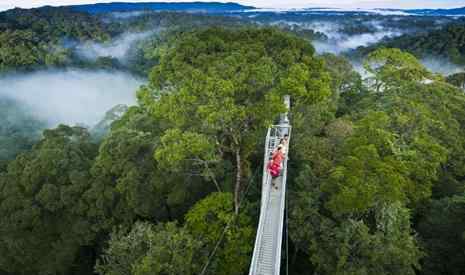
(6, 7)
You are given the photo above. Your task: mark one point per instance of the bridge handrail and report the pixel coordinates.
(266, 187)
(282, 207)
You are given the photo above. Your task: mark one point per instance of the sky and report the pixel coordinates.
(286, 4)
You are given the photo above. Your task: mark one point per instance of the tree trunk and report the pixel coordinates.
(237, 188)
(168, 211)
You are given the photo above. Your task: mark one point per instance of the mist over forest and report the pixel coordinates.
(81, 67)
(118, 48)
(131, 138)
(70, 97)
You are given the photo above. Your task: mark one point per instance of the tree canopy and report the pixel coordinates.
(376, 170)
(44, 222)
(217, 89)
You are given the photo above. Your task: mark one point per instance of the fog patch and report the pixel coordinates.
(387, 12)
(360, 69)
(441, 66)
(331, 30)
(366, 39)
(117, 48)
(339, 42)
(70, 97)
(126, 15)
(343, 43)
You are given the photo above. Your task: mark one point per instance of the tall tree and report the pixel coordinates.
(392, 67)
(128, 185)
(224, 87)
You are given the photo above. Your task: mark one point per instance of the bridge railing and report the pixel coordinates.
(282, 203)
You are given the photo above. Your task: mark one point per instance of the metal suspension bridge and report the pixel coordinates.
(266, 259)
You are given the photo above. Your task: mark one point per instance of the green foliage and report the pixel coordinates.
(397, 146)
(42, 204)
(148, 249)
(344, 79)
(207, 220)
(380, 167)
(127, 184)
(226, 85)
(351, 247)
(392, 67)
(31, 39)
(169, 249)
(457, 80)
(370, 174)
(18, 130)
(48, 37)
(447, 42)
(442, 229)
(364, 155)
(190, 153)
(178, 147)
(379, 242)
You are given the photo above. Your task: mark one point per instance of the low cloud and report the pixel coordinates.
(441, 66)
(338, 41)
(345, 43)
(126, 15)
(70, 97)
(116, 48)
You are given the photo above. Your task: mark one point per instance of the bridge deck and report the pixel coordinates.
(266, 259)
(269, 242)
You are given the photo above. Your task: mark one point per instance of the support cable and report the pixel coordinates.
(210, 257)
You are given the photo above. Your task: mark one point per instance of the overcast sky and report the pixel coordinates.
(6, 4)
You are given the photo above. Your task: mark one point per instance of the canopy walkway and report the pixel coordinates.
(266, 258)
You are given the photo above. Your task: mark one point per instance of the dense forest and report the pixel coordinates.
(50, 37)
(447, 42)
(32, 38)
(376, 181)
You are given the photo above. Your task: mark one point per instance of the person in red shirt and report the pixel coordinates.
(275, 164)
(278, 155)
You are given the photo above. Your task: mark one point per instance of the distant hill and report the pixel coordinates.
(447, 42)
(430, 12)
(207, 7)
(424, 12)
(438, 12)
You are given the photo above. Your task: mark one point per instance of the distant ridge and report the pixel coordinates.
(209, 7)
(439, 12)
(385, 11)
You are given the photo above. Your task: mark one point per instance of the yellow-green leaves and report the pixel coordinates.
(180, 149)
(216, 90)
(392, 67)
(207, 220)
(148, 249)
